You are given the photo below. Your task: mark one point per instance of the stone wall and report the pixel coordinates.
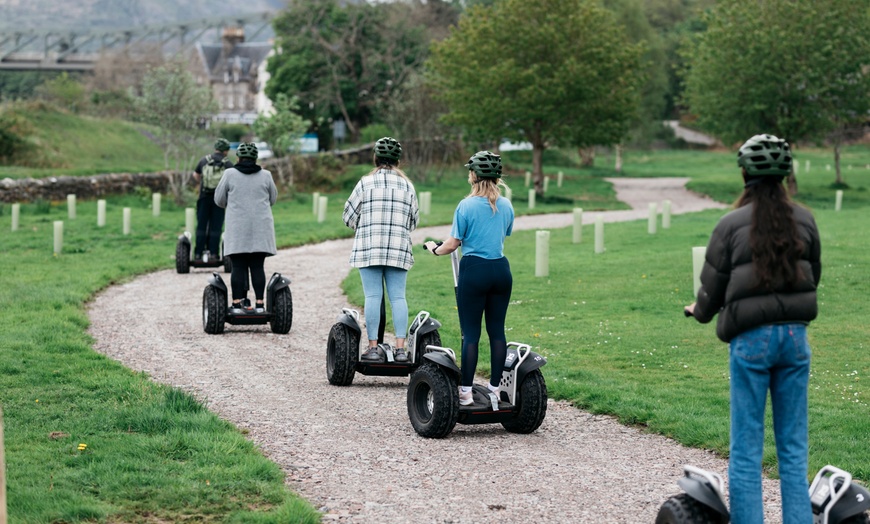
(57, 188)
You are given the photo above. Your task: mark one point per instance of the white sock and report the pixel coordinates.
(465, 389)
(492, 388)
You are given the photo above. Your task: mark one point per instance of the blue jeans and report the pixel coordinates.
(373, 279)
(774, 357)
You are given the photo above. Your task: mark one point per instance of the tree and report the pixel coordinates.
(62, 91)
(792, 69)
(177, 108)
(282, 128)
(550, 72)
(345, 61)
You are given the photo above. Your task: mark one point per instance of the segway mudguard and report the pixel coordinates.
(836, 497)
(350, 318)
(276, 283)
(184, 238)
(526, 362)
(705, 487)
(218, 282)
(444, 357)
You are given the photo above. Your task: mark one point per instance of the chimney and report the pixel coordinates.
(232, 36)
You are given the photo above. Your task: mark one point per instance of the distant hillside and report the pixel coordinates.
(43, 15)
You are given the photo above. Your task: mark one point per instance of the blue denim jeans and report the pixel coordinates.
(373, 279)
(773, 358)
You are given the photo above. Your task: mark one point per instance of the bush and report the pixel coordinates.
(374, 132)
(233, 132)
(15, 138)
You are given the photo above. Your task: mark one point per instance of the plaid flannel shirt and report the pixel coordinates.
(383, 211)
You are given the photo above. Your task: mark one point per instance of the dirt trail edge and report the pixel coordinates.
(351, 451)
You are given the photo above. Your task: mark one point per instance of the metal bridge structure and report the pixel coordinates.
(79, 50)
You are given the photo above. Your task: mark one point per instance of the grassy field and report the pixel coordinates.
(153, 453)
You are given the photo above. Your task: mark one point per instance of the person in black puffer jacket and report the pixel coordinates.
(760, 275)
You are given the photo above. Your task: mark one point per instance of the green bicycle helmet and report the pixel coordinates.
(222, 144)
(247, 150)
(485, 164)
(765, 155)
(388, 148)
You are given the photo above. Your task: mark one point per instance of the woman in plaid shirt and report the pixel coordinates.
(383, 211)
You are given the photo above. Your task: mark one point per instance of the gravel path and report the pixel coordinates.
(352, 451)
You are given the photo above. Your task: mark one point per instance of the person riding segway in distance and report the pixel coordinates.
(481, 222)
(248, 192)
(760, 275)
(382, 210)
(210, 216)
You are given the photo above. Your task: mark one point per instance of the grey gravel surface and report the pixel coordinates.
(351, 451)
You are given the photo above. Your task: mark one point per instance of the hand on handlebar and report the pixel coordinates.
(689, 310)
(431, 246)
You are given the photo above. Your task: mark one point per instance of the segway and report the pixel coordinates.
(184, 256)
(278, 311)
(433, 391)
(835, 499)
(344, 348)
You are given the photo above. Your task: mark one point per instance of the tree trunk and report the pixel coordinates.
(587, 156)
(837, 162)
(538, 168)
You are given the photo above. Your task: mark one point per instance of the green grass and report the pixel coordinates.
(155, 454)
(68, 144)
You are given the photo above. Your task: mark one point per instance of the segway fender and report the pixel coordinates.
(703, 490)
(442, 360)
(531, 363)
(428, 327)
(276, 283)
(348, 319)
(184, 239)
(218, 282)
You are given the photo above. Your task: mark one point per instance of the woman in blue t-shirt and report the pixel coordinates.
(480, 224)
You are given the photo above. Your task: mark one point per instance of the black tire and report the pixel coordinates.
(282, 312)
(683, 509)
(532, 406)
(214, 310)
(433, 401)
(861, 518)
(342, 352)
(429, 339)
(182, 257)
(228, 264)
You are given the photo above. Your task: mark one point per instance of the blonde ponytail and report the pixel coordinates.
(486, 187)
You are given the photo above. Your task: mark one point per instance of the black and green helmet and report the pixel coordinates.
(247, 150)
(485, 164)
(222, 144)
(765, 155)
(389, 148)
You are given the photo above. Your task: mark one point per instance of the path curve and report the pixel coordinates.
(351, 451)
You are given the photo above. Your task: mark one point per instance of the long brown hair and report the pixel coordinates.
(486, 187)
(774, 239)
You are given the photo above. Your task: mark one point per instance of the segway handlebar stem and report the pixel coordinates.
(830, 474)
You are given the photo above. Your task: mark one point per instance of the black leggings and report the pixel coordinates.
(209, 223)
(242, 264)
(484, 290)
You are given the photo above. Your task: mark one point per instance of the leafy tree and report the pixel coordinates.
(283, 127)
(345, 61)
(62, 91)
(793, 69)
(178, 108)
(550, 72)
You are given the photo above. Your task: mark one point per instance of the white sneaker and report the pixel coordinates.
(465, 397)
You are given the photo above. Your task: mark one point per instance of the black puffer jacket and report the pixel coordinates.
(728, 284)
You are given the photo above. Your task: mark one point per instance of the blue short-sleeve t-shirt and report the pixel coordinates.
(481, 230)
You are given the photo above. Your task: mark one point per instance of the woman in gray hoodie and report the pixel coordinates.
(248, 193)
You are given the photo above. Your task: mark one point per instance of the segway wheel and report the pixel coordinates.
(214, 310)
(683, 509)
(228, 264)
(182, 257)
(433, 401)
(429, 339)
(282, 312)
(861, 518)
(342, 351)
(532, 406)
